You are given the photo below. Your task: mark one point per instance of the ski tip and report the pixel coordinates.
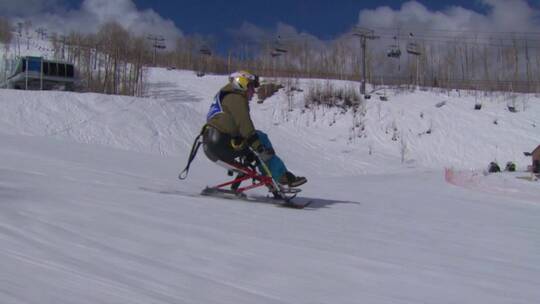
(295, 205)
(288, 190)
(222, 193)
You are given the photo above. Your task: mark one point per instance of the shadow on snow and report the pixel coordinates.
(314, 203)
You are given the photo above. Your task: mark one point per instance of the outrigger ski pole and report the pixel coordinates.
(277, 192)
(194, 148)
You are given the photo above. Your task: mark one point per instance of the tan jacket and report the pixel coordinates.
(235, 119)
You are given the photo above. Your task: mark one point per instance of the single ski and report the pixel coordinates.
(232, 195)
(295, 205)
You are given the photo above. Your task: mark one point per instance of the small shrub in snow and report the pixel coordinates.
(493, 167)
(403, 149)
(395, 134)
(440, 104)
(267, 90)
(332, 96)
(512, 109)
(511, 104)
(510, 166)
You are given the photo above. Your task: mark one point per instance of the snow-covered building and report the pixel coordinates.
(40, 74)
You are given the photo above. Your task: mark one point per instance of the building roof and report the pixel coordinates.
(536, 150)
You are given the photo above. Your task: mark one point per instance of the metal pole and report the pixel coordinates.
(364, 34)
(157, 43)
(417, 73)
(363, 44)
(5, 71)
(26, 73)
(229, 63)
(41, 76)
(63, 47)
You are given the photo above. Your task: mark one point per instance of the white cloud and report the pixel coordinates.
(21, 8)
(501, 23)
(286, 34)
(501, 16)
(249, 32)
(94, 13)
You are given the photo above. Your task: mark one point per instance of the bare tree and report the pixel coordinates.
(115, 40)
(111, 61)
(5, 31)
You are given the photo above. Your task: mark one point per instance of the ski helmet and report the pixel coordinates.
(241, 80)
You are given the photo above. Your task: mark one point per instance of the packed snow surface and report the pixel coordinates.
(91, 210)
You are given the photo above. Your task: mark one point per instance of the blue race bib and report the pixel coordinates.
(215, 107)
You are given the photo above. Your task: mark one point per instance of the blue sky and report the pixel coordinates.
(256, 20)
(322, 18)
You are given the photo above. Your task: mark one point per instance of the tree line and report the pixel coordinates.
(111, 61)
(114, 61)
(5, 31)
(504, 63)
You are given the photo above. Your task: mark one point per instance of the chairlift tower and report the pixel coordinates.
(63, 40)
(41, 33)
(205, 50)
(278, 49)
(158, 42)
(413, 49)
(204, 56)
(364, 34)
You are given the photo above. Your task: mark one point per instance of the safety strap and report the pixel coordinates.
(194, 148)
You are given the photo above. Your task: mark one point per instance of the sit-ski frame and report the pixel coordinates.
(258, 180)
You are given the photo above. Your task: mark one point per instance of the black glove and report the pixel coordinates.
(264, 153)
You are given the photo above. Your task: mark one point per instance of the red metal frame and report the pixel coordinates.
(258, 180)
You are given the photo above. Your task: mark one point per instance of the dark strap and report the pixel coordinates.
(194, 148)
(252, 138)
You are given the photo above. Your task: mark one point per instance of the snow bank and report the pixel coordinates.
(412, 130)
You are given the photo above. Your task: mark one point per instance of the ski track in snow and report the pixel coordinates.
(91, 210)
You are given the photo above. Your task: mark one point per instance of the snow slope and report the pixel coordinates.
(92, 211)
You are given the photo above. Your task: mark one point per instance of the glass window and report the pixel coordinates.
(34, 64)
(62, 70)
(70, 72)
(45, 68)
(53, 69)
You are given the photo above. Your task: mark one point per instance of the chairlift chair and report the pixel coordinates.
(205, 51)
(393, 52)
(279, 47)
(412, 48)
(278, 50)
